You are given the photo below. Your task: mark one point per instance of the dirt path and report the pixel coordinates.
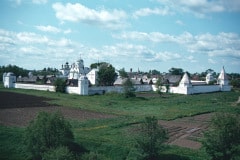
(185, 132)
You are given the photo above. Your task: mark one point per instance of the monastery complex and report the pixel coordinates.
(83, 81)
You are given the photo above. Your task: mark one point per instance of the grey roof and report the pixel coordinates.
(171, 78)
(120, 81)
(32, 79)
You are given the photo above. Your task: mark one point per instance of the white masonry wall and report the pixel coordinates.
(35, 87)
(72, 90)
(118, 89)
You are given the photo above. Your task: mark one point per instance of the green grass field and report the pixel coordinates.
(113, 137)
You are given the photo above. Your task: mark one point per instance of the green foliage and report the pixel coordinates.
(123, 73)
(60, 85)
(128, 89)
(47, 131)
(176, 71)
(106, 74)
(11, 143)
(46, 71)
(96, 65)
(93, 156)
(158, 86)
(151, 138)
(235, 83)
(222, 141)
(154, 72)
(13, 68)
(59, 153)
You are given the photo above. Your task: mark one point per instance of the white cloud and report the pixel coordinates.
(77, 12)
(29, 37)
(148, 11)
(191, 59)
(39, 1)
(201, 8)
(143, 36)
(27, 48)
(53, 29)
(48, 29)
(67, 31)
(133, 51)
(222, 44)
(211, 61)
(46, 49)
(179, 22)
(19, 2)
(164, 56)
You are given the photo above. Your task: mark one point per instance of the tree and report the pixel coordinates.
(59, 153)
(123, 73)
(176, 71)
(96, 65)
(93, 156)
(47, 131)
(154, 72)
(13, 68)
(106, 74)
(158, 86)
(151, 138)
(129, 90)
(235, 83)
(222, 141)
(60, 85)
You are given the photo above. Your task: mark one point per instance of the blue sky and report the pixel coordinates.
(194, 35)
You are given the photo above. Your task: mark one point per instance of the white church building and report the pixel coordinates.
(76, 69)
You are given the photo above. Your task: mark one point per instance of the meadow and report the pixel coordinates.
(115, 137)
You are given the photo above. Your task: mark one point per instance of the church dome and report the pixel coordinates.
(80, 60)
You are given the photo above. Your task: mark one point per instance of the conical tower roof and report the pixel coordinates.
(185, 81)
(222, 75)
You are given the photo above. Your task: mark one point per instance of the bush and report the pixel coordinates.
(60, 85)
(158, 86)
(93, 156)
(235, 83)
(47, 131)
(129, 90)
(222, 141)
(151, 138)
(59, 153)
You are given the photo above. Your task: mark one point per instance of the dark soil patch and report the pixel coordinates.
(19, 109)
(17, 100)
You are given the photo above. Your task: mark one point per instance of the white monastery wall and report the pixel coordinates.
(72, 90)
(119, 89)
(35, 87)
(199, 89)
(179, 90)
(204, 89)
